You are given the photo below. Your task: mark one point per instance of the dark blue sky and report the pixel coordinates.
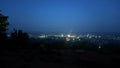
(63, 15)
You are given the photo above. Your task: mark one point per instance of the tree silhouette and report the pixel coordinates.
(3, 27)
(19, 37)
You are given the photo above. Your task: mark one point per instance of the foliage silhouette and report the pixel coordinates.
(3, 27)
(18, 37)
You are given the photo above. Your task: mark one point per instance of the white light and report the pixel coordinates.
(90, 37)
(67, 39)
(99, 47)
(8, 35)
(68, 35)
(62, 35)
(99, 36)
(78, 37)
(42, 36)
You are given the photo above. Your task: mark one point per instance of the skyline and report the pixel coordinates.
(63, 15)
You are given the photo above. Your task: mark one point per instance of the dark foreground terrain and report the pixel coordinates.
(37, 57)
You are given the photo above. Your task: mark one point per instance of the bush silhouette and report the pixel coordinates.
(19, 37)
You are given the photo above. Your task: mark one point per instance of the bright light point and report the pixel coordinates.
(99, 36)
(78, 37)
(99, 47)
(42, 36)
(62, 35)
(90, 37)
(8, 35)
(67, 39)
(68, 35)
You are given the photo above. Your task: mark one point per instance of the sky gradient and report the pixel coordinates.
(63, 15)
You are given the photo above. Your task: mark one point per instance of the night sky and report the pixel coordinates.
(63, 15)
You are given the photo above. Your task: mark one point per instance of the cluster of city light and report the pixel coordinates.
(42, 36)
(92, 36)
(70, 37)
(74, 37)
